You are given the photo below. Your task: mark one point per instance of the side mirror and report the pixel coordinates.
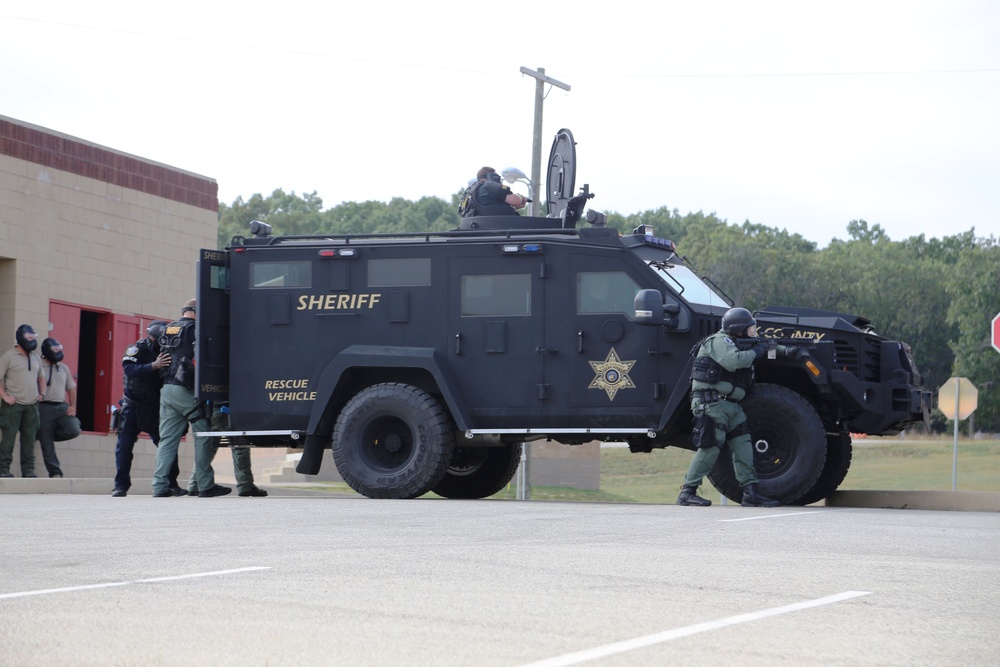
(649, 307)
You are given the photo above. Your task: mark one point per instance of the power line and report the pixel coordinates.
(617, 75)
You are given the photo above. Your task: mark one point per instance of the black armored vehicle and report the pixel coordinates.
(425, 360)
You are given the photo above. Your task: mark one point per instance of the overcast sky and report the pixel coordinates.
(795, 115)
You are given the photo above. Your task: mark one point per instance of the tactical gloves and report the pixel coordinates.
(793, 352)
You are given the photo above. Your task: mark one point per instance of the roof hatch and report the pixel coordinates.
(561, 178)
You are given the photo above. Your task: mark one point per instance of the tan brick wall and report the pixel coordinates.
(101, 229)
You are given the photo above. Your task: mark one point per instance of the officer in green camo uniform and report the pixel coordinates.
(179, 407)
(721, 377)
(245, 486)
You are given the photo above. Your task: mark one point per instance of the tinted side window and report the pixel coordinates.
(496, 295)
(280, 274)
(606, 292)
(408, 272)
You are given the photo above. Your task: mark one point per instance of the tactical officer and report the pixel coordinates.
(178, 407)
(242, 465)
(721, 376)
(22, 385)
(141, 406)
(58, 405)
(489, 196)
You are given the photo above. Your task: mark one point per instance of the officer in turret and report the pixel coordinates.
(179, 407)
(721, 376)
(489, 196)
(141, 406)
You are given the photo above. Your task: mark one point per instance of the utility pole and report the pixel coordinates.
(536, 134)
(524, 471)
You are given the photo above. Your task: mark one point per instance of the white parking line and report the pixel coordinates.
(775, 516)
(112, 584)
(670, 635)
(766, 516)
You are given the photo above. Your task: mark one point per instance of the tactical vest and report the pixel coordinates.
(143, 387)
(486, 203)
(708, 370)
(178, 341)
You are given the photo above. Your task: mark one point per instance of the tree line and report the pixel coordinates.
(938, 294)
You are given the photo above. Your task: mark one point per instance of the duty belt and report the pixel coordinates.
(706, 396)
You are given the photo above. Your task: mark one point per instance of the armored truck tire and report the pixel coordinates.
(789, 444)
(393, 441)
(479, 472)
(839, 452)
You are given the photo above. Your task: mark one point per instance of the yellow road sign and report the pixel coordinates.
(960, 396)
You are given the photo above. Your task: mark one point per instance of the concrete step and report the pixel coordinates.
(284, 472)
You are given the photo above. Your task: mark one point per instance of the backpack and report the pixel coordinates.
(467, 208)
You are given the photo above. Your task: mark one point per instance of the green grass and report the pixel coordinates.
(885, 464)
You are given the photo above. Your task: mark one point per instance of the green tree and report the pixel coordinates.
(288, 214)
(973, 286)
(894, 286)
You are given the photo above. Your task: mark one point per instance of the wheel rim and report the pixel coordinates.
(388, 443)
(467, 461)
(772, 449)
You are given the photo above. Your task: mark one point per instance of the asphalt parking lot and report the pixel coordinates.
(291, 580)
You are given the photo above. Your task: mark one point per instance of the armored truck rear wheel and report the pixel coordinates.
(789, 444)
(392, 441)
(479, 472)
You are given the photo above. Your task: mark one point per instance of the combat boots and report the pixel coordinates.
(753, 498)
(689, 496)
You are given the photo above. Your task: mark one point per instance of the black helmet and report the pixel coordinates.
(736, 321)
(21, 336)
(156, 329)
(52, 350)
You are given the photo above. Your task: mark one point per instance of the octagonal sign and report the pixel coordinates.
(958, 395)
(995, 332)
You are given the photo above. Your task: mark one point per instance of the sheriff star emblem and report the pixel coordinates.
(612, 374)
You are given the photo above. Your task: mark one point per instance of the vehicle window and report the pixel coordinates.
(496, 295)
(280, 274)
(408, 272)
(606, 292)
(218, 277)
(686, 283)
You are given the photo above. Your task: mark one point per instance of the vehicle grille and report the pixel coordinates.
(864, 363)
(708, 326)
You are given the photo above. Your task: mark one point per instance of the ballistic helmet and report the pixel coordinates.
(52, 350)
(156, 329)
(188, 305)
(26, 338)
(736, 321)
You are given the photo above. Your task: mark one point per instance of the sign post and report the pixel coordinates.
(957, 399)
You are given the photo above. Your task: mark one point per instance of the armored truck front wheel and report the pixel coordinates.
(479, 472)
(839, 451)
(789, 446)
(392, 441)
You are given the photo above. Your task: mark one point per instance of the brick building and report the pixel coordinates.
(95, 243)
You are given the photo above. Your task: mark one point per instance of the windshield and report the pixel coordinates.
(684, 281)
